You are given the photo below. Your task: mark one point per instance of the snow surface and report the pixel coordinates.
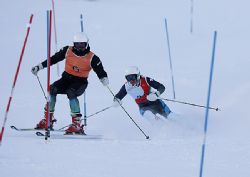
(124, 33)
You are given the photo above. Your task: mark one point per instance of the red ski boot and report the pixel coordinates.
(42, 123)
(75, 127)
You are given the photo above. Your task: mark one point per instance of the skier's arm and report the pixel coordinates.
(58, 56)
(96, 64)
(153, 96)
(119, 96)
(156, 85)
(122, 93)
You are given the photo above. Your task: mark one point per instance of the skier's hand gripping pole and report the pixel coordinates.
(147, 137)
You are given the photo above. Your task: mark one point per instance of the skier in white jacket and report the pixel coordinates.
(145, 91)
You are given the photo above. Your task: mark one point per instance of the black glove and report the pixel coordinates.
(36, 68)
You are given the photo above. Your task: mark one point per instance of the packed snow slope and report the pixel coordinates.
(124, 33)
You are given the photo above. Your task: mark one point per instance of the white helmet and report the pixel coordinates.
(81, 41)
(132, 73)
(132, 70)
(81, 37)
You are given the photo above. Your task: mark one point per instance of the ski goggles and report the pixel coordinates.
(131, 77)
(80, 45)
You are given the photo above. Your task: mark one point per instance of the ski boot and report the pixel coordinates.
(75, 127)
(42, 123)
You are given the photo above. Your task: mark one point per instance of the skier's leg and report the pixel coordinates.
(74, 105)
(42, 123)
(52, 103)
(75, 127)
(165, 111)
(58, 87)
(73, 92)
(54, 88)
(76, 89)
(148, 113)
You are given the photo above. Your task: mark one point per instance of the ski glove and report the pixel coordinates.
(104, 81)
(116, 102)
(153, 96)
(36, 68)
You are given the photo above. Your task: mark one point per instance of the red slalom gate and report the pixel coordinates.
(49, 29)
(15, 79)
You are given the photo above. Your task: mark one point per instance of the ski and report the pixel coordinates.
(70, 136)
(40, 134)
(33, 129)
(59, 135)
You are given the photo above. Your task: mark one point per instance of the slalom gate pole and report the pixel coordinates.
(41, 87)
(170, 58)
(208, 102)
(84, 96)
(147, 137)
(54, 18)
(85, 109)
(90, 115)
(15, 78)
(191, 15)
(191, 104)
(81, 20)
(49, 26)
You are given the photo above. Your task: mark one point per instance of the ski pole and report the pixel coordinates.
(89, 116)
(147, 137)
(41, 87)
(15, 79)
(96, 113)
(216, 109)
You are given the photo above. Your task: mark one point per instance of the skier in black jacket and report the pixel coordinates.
(141, 90)
(79, 62)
